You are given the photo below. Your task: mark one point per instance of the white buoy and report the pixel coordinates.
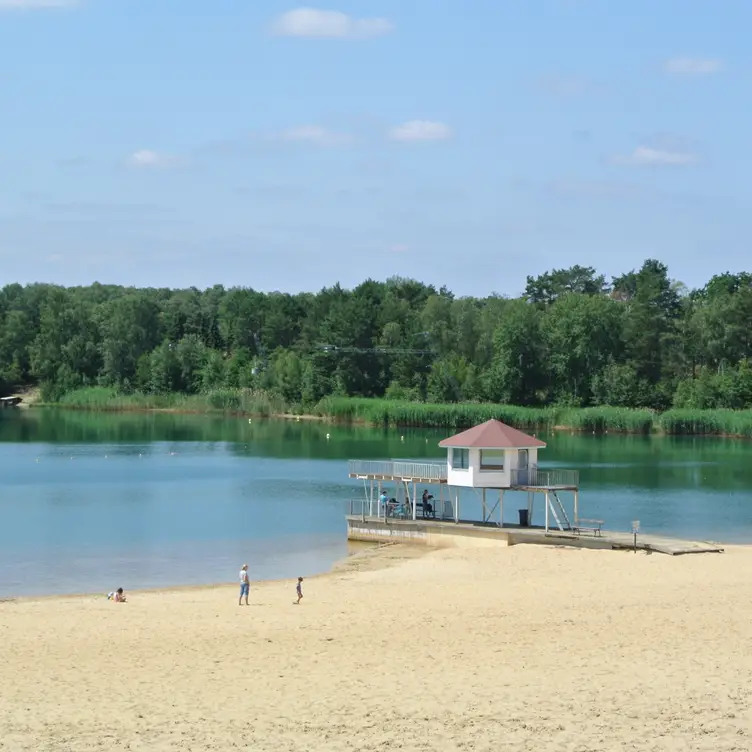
(249, 420)
(327, 437)
(402, 438)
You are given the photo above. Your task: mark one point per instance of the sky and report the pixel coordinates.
(281, 147)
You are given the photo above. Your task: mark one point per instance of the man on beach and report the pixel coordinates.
(245, 585)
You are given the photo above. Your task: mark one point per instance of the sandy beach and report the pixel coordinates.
(525, 648)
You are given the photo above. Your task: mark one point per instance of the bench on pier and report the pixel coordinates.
(585, 525)
(404, 511)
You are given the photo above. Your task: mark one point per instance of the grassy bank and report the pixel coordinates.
(229, 401)
(382, 412)
(737, 423)
(426, 415)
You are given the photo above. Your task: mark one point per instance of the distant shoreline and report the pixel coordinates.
(359, 411)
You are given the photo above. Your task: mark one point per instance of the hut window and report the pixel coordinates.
(491, 459)
(460, 459)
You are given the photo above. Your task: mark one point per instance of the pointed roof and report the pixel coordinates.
(493, 434)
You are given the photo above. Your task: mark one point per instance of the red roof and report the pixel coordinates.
(493, 434)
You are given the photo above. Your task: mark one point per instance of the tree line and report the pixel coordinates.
(573, 338)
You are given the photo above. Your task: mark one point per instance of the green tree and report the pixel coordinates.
(551, 286)
(517, 373)
(582, 334)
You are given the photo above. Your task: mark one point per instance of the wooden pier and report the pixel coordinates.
(443, 533)
(488, 460)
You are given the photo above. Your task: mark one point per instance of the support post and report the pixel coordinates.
(485, 511)
(441, 499)
(576, 507)
(456, 505)
(530, 504)
(415, 503)
(501, 507)
(378, 513)
(547, 505)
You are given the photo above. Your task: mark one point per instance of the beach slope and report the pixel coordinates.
(524, 648)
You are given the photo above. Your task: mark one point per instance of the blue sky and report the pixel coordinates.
(274, 146)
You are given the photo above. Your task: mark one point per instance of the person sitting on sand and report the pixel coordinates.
(299, 590)
(119, 596)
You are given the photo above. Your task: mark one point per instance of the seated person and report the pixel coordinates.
(119, 596)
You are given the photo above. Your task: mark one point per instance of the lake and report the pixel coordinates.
(93, 501)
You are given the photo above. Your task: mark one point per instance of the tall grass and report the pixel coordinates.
(428, 415)
(603, 419)
(385, 412)
(589, 419)
(238, 401)
(706, 422)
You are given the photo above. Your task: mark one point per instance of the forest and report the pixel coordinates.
(573, 339)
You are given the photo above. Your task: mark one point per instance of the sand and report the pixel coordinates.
(526, 648)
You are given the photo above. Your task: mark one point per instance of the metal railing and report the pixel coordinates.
(536, 478)
(443, 509)
(402, 469)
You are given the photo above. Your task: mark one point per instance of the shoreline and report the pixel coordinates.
(370, 553)
(374, 557)
(357, 422)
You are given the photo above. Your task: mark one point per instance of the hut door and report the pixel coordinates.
(522, 473)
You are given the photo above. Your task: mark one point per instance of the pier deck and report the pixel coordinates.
(441, 533)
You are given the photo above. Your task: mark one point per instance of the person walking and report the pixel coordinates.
(245, 585)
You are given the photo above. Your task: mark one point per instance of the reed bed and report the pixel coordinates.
(236, 401)
(403, 413)
(603, 419)
(706, 423)
(587, 419)
(427, 415)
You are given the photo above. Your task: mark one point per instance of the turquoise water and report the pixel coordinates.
(91, 502)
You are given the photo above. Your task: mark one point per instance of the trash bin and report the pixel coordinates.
(523, 518)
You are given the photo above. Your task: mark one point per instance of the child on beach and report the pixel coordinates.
(299, 590)
(118, 596)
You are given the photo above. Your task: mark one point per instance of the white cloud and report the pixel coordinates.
(37, 4)
(329, 24)
(312, 134)
(687, 66)
(420, 130)
(145, 158)
(646, 156)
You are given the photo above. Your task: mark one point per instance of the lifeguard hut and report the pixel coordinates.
(491, 457)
